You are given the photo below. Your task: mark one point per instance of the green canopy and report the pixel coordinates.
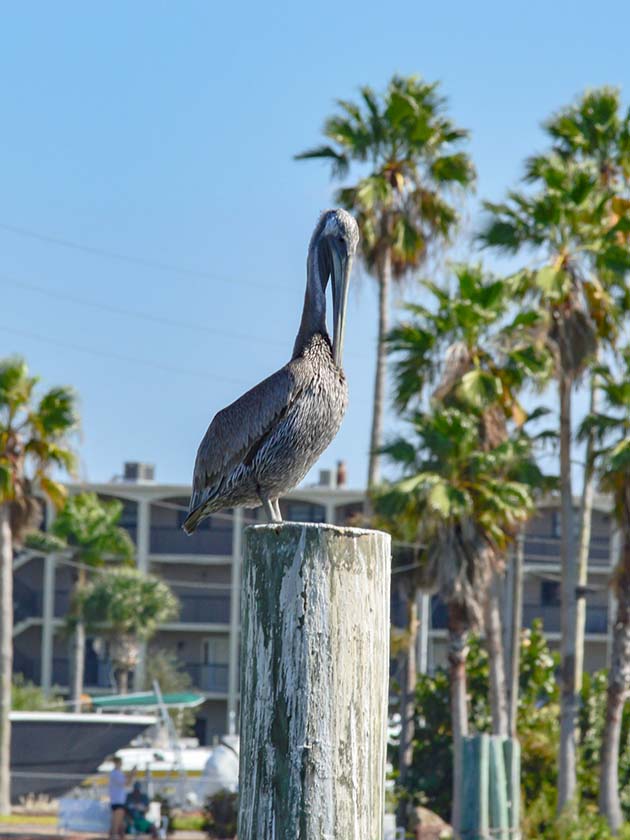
(148, 700)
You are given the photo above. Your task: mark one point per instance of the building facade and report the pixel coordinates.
(204, 572)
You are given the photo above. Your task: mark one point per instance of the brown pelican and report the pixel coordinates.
(262, 445)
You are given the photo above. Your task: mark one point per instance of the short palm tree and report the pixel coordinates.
(408, 154)
(566, 222)
(87, 528)
(126, 607)
(612, 430)
(464, 504)
(34, 439)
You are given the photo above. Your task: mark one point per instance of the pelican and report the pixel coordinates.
(262, 445)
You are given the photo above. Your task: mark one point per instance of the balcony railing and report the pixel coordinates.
(209, 677)
(547, 549)
(596, 617)
(199, 607)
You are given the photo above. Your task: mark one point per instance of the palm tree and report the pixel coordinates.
(612, 430)
(34, 436)
(408, 154)
(88, 528)
(465, 348)
(126, 607)
(464, 505)
(566, 222)
(593, 130)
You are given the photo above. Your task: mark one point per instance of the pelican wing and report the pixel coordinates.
(238, 430)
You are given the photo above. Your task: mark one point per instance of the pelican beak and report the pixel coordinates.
(340, 276)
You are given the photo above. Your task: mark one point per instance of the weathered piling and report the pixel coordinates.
(314, 677)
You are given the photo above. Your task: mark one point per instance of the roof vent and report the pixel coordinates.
(137, 471)
(326, 478)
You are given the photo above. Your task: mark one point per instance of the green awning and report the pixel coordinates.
(148, 700)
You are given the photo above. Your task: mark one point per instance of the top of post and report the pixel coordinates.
(339, 530)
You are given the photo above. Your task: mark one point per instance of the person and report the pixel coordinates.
(137, 805)
(118, 782)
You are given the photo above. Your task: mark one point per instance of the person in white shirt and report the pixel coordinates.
(118, 782)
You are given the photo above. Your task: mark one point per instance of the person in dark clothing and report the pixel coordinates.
(137, 805)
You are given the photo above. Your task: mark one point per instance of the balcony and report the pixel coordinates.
(209, 677)
(596, 618)
(199, 607)
(546, 549)
(212, 537)
(168, 540)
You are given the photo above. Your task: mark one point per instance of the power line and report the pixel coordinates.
(136, 313)
(120, 357)
(146, 262)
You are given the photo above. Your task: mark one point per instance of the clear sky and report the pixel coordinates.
(165, 131)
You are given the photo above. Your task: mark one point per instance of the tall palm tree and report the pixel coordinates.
(464, 505)
(88, 528)
(566, 223)
(126, 607)
(34, 435)
(593, 130)
(408, 154)
(612, 460)
(464, 348)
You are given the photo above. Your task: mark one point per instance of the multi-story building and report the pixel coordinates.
(204, 572)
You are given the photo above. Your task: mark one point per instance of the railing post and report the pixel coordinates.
(314, 679)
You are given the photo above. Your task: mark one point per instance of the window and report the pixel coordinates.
(550, 593)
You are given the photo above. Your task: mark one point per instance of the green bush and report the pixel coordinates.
(431, 776)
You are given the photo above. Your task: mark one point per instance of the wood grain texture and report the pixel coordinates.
(314, 681)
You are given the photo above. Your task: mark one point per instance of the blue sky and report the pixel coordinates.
(166, 132)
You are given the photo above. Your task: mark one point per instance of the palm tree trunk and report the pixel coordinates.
(567, 781)
(496, 658)
(618, 685)
(384, 276)
(122, 678)
(457, 653)
(515, 632)
(78, 652)
(6, 656)
(407, 699)
(586, 516)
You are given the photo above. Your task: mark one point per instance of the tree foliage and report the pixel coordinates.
(430, 779)
(413, 155)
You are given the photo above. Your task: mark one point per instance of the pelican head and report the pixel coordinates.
(338, 240)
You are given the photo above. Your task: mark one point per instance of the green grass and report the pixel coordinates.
(187, 822)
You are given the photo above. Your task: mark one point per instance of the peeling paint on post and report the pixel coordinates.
(314, 682)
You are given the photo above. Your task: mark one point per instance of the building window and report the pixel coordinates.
(550, 593)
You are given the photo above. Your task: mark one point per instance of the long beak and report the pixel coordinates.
(341, 268)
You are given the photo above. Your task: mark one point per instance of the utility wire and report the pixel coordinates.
(136, 313)
(147, 262)
(120, 357)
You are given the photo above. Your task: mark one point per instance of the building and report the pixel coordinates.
(204, 572)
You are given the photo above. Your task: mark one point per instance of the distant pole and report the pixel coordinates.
(314, 682)
(517, 623)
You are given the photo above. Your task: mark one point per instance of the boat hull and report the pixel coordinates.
(52, 752)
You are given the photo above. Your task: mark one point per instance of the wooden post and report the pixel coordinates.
(314, 682)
